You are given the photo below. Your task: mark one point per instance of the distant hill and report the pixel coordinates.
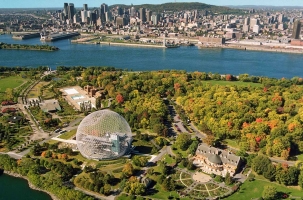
(182, 6)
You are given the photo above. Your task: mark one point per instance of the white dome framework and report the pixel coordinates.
(103, 135)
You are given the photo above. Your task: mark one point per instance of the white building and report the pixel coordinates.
(256, 28)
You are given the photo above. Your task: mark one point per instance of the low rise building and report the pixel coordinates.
(212, 160)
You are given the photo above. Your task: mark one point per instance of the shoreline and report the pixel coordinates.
(30, 184)
(239, 47)
(263, 48)
(120, 44)
(28, 49)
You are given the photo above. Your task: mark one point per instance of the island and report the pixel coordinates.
(28, 47)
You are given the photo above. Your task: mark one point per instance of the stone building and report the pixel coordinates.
(216, 161)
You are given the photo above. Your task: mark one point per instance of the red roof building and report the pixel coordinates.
(9, 110)
(7, 103)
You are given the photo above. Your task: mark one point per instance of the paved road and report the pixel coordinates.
(203, 135)
(111, 197)
(163, 151)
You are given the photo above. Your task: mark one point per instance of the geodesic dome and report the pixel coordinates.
(103, 134)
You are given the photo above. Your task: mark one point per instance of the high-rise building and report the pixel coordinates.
(93, 18)
(296, 30)
(247, 21)
(254, 22)
(84, 16)
(120, 11)
(85, 7)
(71, 11)
(76, 18)
(108, 16)
(121, 21)
(142, 14)
(132, 11)
(155, 18)
(148, 15)
(256, 28)
(65, 10)
(281, 18)
(104, 8)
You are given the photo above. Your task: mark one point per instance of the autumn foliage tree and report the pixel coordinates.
(120, 98)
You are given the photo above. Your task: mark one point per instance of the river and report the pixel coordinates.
(12, 188)
(222, 61)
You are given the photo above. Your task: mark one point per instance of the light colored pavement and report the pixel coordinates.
(98, 196)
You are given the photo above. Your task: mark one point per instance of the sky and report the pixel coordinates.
(97, 3)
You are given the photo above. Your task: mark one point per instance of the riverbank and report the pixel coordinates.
(263, 48)
(120, 44)
(30, 184)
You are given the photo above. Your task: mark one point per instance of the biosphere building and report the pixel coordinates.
(102, 135)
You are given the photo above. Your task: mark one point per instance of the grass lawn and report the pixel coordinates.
(231, 83)
(35, 91)
(53, 142)
(143, 146)
(11, 82)
(68, 134)
(168, 159)
(179, 151)
(300, 157)
(161, 194)
(232, 143)
(254, 189)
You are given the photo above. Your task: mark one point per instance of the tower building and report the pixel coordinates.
(296, 30)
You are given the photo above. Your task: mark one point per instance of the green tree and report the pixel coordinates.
(269, 193)
(270, 172)
(228, 179)
(9, 93)
(260, 164)
(128, 169)
(168, 184)
(300, 181)
(183, 141)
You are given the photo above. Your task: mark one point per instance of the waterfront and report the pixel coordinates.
(223, 61)
(17, 188)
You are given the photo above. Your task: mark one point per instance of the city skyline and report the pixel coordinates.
(93, 3)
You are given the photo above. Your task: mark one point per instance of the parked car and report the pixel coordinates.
(57, 130)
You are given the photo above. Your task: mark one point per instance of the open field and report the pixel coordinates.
(254, 189)
(68, 134)
(35, 91)
(11, 82)
(232, 143)
(231, 83)
(300, 157)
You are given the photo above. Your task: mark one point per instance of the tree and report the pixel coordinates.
(140, 160)
(183, 141)
(107, 189)
(128, 169)
(98, 102)
(168, 184)
(269, 192)
(190, 165)
(300, 181)
(285, 154)
(293, 174)
(260, 163)
(228, 179)
(211, 140)
(270, 173)
(9, 93)
(120, 98)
